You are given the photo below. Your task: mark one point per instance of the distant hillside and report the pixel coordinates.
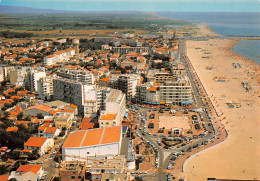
(16, 9)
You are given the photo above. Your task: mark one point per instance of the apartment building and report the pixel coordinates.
(72, 91)
(33, 76)
(49, 60)
(114, 109)
(45, 87)
(127, 83)
(176, 93)
(127, 49)
(148, 93)
(80, 75)
(107, 168)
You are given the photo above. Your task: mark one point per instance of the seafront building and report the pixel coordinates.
(176, 93)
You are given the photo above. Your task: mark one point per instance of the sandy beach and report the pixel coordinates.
(239, 156)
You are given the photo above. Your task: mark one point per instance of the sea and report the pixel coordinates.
(228, 23)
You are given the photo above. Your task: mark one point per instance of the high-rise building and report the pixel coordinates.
(127, 83)
(33, 77)
(45, 87)
(84, 76)
(177, 93)
(72, 91)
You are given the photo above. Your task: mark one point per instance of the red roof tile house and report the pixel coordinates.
(39, 109)
(4, 177)
(41, 144)
(28, 172)
(86, 123)
(10, 129)
(51, 132)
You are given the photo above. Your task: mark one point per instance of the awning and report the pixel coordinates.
(187, 102)
(126, 114)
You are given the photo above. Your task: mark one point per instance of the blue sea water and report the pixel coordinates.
(242, 23)
(249, 49)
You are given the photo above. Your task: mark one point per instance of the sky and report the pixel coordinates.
(141, 5)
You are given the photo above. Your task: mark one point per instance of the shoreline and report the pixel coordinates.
(221, 60)
(204, 27)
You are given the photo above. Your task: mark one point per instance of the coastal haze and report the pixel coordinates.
(216, 55)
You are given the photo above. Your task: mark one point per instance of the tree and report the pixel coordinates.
(12, 179)
(20, 116)
(151, 125)
(3, 169)
(40, 116)
(6, 114)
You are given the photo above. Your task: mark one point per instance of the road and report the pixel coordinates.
(202, 102)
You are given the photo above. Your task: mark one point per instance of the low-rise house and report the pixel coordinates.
(41, 144)
(39, 109)
(63, 119)
(51, 132)
(12, 129)
(28, 172)
(86, 123)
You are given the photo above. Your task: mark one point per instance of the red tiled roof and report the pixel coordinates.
(50, 130)
(36, 121)
(9, 129)
(108, 117)
(28, 168)
(40, 107)
(41, 128)
(93, 137)
(35, 141)
(27, 151)
(74, 139)
(73, 106)
(111, 135)
(4, 177)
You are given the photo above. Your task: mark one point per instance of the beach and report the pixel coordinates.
(238, 157)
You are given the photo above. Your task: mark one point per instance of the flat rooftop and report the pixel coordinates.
(114, 96)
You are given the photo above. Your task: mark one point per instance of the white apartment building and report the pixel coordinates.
(61, 56)
(33, 77)
(49, 60)
(80, 75)
(45, 87)
(115, 107)
(177, 93)
(70, 52)
(78, 93)
(2, 77)
(90, 103)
